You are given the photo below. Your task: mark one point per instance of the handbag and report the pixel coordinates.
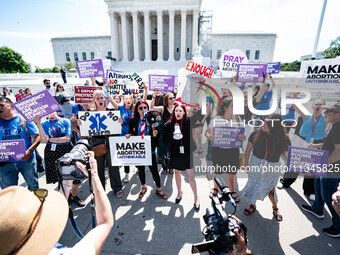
(100, 149)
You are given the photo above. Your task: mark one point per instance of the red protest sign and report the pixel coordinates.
(84, 94)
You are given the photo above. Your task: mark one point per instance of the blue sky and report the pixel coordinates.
(28, 26)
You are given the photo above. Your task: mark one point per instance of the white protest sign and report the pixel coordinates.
(133, 151)
(100, 123)
(321, 75)
(229, 62)
(124, 83)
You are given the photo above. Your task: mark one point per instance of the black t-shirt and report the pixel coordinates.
(331, 140)
(259, 149)
(62, 71)
(159, 101)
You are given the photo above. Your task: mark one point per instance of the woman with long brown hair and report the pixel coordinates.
(166, 110)
(267, 144)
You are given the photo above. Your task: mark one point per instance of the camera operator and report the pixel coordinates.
(56, 132)
(49, 211)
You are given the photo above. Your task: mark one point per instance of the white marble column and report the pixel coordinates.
(114, 36)
(160, 35)
(124, 37)
(195, 16)
(171, 35)
(147, 35)
(135, 36)
(183, 34)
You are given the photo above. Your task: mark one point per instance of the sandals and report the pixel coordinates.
(278, 217)
(171, 171)
(213, 193)
(235, 197)
(119, 194)
(164, 171)
(161, 193)
(248, 212)
(142, 192)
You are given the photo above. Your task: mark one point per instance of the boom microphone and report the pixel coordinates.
(224, 187)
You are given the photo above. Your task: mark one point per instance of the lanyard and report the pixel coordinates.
(127, 111)
(56, 129)
(181, 129)
(157, 101)
(314, 125)
(265, 157)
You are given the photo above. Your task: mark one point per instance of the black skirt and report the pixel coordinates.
(181, 164)
(225, 160)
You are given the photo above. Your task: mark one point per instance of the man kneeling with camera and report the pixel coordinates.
(33, 221)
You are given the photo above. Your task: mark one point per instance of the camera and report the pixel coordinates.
(219, 230)
(66, 165)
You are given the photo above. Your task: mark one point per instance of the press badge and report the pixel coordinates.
(53, 147)
(181, 149)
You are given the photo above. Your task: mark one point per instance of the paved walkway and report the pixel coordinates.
(155, 226)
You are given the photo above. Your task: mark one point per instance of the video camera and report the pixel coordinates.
(219, 230)
(66, 165)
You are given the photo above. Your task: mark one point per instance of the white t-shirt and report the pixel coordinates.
(52, 91)
(81, 248)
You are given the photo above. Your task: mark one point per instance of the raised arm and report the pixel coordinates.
(152, 105)
(113, 102)
(297, 108)
(145, 92)
(262, 90)
(272, 81)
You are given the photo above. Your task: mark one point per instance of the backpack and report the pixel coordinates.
(23, 124)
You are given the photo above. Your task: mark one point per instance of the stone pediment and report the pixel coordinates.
(151, 4)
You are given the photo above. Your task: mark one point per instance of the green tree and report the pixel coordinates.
(43, 70)
(70, 65)
(333, 50)
(55, 69)
(293, 66)
(12, 62)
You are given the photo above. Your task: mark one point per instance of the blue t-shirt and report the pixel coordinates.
(126, 115)
(264, 102)
(67, 109)
(76, 107)
(57, 128)
(319, 128)
(10, 130)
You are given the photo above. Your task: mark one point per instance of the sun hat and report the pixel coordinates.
(332, 108)
(19, 209)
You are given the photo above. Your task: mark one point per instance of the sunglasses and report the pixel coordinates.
(61, 87)
(142, 108)
(41, 194)
(319, 104)
(171, 98)
(47, 83)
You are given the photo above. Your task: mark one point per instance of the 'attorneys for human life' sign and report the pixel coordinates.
(40, 104)
(12, 150)
(134, 151)
(100, 123)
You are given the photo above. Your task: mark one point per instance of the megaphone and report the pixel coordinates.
(177, 133)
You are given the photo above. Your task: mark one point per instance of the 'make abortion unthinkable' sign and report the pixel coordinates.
(40, 104)
(12, 150)
(84, 94)
(134, 151)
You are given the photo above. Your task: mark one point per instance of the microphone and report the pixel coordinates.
(223, 186)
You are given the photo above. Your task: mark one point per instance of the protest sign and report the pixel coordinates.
(230, 61)
(161, 82)
(124, 83)
(303, 160)
(90, 68)
(84, 94)
(273, 68)
(176, 81)
(251, 72)
(133, 151)
(40, 104)
(12, 150)
(227, 137)
(100, 123)
(321, 75)
(200, 69)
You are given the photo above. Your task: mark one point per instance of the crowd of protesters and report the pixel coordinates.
(264, 146)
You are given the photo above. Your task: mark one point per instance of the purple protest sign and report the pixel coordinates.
(161, 82)
(251, 72)
(227, 137)
(273, 68)
(90, 68)
(40, 104)
(303, 160)
(12, 150)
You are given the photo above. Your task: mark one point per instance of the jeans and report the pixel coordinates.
(324, 189)
(9, 174)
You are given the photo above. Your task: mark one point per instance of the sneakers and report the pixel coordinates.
(312, 197)
(77, 200)
(332, 231)
(309, 209)
(279, 185)
(126, 178)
